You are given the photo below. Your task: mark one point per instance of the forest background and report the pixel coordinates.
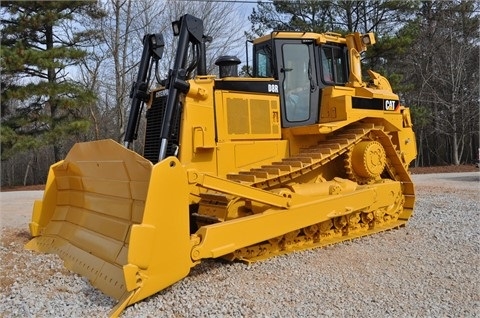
(67, 67)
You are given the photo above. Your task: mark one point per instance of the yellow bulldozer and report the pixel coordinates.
(301, 154)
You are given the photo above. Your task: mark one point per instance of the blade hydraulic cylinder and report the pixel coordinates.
(153, 45)
(189, 29)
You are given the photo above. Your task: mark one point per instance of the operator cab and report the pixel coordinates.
(303, 68)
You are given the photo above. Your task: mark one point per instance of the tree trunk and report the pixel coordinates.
(29, 168)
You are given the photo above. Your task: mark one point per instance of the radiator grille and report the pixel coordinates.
(153, 130)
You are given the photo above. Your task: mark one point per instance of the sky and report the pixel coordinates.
(245, 5)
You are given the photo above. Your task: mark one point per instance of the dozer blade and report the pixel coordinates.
(116, 219)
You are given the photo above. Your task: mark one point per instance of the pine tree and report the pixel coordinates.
(41, 104)
(381, 17)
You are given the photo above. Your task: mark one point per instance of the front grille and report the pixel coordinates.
(153, 131)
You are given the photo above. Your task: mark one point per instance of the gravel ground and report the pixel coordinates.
(427, 269)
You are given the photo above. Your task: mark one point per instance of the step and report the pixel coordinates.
(269, 170)
(241, 177)
(281, 167)
(293, 164)
(314, 155)
(307, 160)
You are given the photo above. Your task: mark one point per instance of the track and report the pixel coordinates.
(310, 160)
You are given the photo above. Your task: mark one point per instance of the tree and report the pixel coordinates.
(41, 103)
(382, 17)
(327, 16)
(304, 15)
(443, 66)
(221, 21)
(112, 65)
(122, 30)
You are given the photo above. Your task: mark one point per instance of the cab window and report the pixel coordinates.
(263, 61)
(334, 68)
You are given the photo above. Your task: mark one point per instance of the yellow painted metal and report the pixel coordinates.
(198, 126)
(165, 220)
(336, 186)
(43, 210)
(406, 138)
(318, 37)
(237, 156)
(337, 112)
(88, 207)
(393, 210)
(246, 124)
(242, 116)
(226, 237)
(368, 159)
(124, 223)
(98, 217)
(244, 191)
(197, 139)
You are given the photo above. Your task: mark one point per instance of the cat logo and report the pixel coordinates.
(390, 104)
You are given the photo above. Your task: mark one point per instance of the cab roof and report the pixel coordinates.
(319, 38)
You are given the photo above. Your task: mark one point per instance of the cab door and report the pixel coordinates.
(298, 83)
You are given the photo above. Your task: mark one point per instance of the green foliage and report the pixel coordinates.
(335, 16)
(40, 102)
(305, 15)
(420, 116)
(13, 142)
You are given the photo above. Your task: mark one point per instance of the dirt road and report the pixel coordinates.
(16, 208)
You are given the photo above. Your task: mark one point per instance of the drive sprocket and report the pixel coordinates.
(365, 162)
